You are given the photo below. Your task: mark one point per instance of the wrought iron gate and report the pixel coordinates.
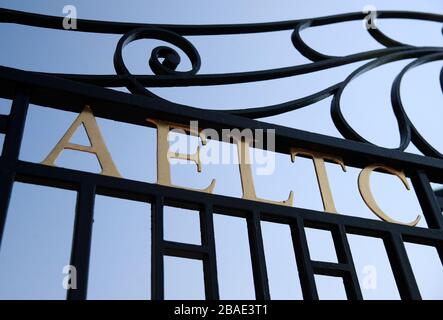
(71, 92)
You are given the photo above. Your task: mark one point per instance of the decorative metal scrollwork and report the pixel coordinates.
(170, 56)
(166, 75)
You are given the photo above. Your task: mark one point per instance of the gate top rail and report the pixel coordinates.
(97, 26)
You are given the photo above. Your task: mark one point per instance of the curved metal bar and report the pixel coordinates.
(268, 111)
(383, 39)
(167, 67)
(227, 78)
(441, 79)
(304, 48)
(376, 33)
(96, 26)
(403, 123)
(397, 104)
(314, 55)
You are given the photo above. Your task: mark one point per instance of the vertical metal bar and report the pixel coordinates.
(209, 261)
(10, 153)
(428, 202)
(261, 283)
(157, 270)
(4, 121)
(403, 273)
(81, 244)
(304, 265)
(344, 255)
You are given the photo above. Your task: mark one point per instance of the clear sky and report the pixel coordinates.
(39, 227)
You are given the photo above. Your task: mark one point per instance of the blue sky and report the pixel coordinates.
(39, 226)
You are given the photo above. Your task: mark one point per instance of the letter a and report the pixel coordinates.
(97, 147)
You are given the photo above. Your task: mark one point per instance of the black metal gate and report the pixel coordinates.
(72, 92)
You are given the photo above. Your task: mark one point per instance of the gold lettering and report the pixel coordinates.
(247, 180)
(322, 176)
(366, 193)
(163, 154)
(98, 146)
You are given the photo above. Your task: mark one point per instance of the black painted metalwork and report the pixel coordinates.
(71, 92)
